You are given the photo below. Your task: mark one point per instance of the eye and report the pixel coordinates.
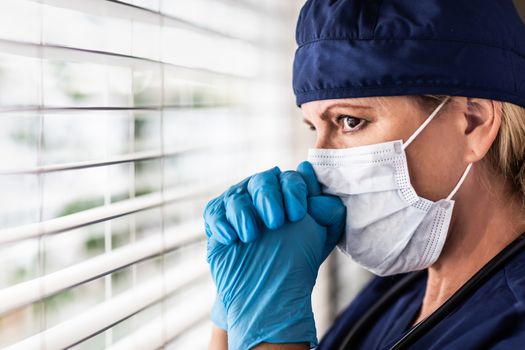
(351, 123)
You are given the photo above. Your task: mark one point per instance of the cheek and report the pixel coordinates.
(331, 139)
(435, 163)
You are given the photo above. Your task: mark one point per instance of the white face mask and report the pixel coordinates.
(389, 228)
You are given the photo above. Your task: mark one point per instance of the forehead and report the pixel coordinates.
(320, 107)
(358, 101)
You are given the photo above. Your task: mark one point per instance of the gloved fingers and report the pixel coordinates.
(294, 192)
(241, 215)
(328, 211)
(307, 172)
(237, 188)
(216, 223)
(265, 191)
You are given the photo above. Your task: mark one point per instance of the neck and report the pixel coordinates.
(482, 225)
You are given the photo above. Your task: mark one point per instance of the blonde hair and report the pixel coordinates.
(507, 153)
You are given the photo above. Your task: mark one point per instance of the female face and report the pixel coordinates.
(435, 158)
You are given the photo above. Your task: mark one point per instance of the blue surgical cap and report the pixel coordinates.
(362, 48)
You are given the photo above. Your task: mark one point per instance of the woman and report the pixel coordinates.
(418, 175)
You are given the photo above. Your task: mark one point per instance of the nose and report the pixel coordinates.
(325, 140)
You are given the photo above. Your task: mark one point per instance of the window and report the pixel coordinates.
(120, 120)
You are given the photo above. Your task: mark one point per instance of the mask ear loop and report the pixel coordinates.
(460, 182)
(418, 131)
(422, 126)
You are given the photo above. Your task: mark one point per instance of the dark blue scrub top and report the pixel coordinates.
(491, 318)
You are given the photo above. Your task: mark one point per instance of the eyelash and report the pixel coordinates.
(360, 125)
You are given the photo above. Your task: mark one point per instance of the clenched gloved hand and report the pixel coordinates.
(267, 237)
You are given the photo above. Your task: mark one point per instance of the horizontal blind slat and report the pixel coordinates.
(124, 10)
(31, 291)
(100, 214)
(176, 321)
(74, 54)
(128, 158)
(36, 108)
(111, 312)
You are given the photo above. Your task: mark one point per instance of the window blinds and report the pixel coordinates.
(120, 120)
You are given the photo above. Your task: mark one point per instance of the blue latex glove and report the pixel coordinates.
(265, 286)
(265, 199)
(240, 213)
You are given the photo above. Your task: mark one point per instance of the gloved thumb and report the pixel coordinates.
(328, 211)
(307, 172)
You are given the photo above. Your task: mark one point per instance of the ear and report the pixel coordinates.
(483, 123)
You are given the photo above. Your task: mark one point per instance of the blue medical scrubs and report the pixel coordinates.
(493, 317)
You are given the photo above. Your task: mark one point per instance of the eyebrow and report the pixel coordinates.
(324, 115)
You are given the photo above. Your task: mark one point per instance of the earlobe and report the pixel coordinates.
(483, 119)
